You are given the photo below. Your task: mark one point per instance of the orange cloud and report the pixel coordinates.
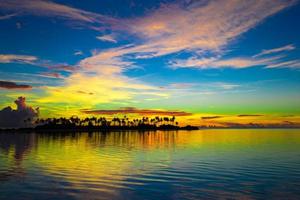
(10, 58)
(200, 26)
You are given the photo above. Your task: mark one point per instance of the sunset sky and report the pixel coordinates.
(203, 61)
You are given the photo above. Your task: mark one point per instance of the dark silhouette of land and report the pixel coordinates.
(75, 124)
(104, 124)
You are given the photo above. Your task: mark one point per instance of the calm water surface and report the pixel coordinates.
(204, 164)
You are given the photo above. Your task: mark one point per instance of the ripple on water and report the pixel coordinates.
(167, 165)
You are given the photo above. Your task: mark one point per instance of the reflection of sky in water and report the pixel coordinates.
(132, 165)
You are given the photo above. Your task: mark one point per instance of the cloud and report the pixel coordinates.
(171, 28)
(11, 85)
(83, 92)
(196, 87)
(200, 25)
(289, 47)
(174, 28)
(211, 117)
(10, 58)
(234, 63)
(242, 62)
(3, 17)
(227, 86)
(33, 60)
(59, 67)
(23, 116)
(78, 53)
(107, 38)
(102, 75)
(283, 124)
(52, 9)
(237, 63)
(106, 88)
(247, 115)
(182, 85)
(107, 62)
(52, 75)
(285, 64)
(132, 110)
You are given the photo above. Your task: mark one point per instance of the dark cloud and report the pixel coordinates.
(246, 115)
(240, 125)
(11, 85)
(211, 117)
(19, 118)
(132, 110)
(83, 92)
(284, 124)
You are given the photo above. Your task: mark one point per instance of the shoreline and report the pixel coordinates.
(89, 129)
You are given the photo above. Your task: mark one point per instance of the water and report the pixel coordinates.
(204, 164)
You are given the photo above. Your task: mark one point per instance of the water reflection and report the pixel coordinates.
(13, 149)
(150, 165)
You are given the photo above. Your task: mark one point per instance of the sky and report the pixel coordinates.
(206, 62)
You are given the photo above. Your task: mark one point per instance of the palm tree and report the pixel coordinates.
(172, 120)
(166, 119)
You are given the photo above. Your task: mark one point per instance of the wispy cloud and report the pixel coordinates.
(52, 75)
(228, 86)
(60, 67)
(52, 9)
(274, 61)
(289, 47)
(285, 64)
(174, 28)
(78, 53)
(33, 60)
(8, 16)
(200, 26)
(12, 85)
(107, 38)
(10, 58)
(240, 62)
(195, 86)
(132, 110)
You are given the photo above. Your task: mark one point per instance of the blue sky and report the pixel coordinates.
(202, 57)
